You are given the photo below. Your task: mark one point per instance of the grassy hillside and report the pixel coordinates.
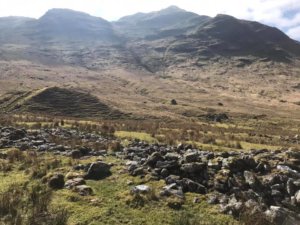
(59, 102)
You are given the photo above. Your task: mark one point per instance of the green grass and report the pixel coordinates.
(108, 204)
(12, 178)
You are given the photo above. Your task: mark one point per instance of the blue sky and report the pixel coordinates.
(284, 14)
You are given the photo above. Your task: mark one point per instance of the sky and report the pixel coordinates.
(284, 14)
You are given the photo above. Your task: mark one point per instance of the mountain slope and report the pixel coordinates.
(59, 102)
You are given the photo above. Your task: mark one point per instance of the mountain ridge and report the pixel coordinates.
(153, 42)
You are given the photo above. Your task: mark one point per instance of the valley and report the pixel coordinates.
(166, 117)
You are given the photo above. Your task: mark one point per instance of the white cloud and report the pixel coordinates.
(271, 12)
(294, 32)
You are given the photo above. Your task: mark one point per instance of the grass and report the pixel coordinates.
(249, 146)
(13, 178)
(136, 135)
(61, 102)
(209, 147)
(111, 202)
(109, 205)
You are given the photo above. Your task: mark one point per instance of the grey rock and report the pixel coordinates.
(98, 170)
(138, 171)
(164, 172)
(193, 167)
(297, 197)
(170, 156)
(291, 187)
(167, 164)
(153, 159)
(252, 180)
(192, 186)
(191, 157)
(17, 135)
(84, 190)
(172, 179)
(43, 148)
(144, 189)
(74, 182)
(172, 189)
(213, 199)
(278, 216)
(233, 207)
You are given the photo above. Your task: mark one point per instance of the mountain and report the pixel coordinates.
(152, 41)
(68, 25)
(167, 22)
(141, 62)
(58, 25)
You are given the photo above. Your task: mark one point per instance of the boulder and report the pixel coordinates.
(172, 179)
(236, 165)
(291, 187)
(74, 182)
(84, 190)
(76, 154)
(191, 157)
(252, 180)
(193, 167)
(170, 156)
(17, 135)
(278, 216)
(98, 170)
(153, 159)
(297, 197)
(56, 181)
(191, 186)
(234, 207)
(213, 199)
(139, 171)
(172, 164)
(172, 189)
(141, 189)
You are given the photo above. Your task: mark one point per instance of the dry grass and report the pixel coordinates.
(259, 87)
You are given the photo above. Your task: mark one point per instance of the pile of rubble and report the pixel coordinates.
(42, 140)
(259, 181)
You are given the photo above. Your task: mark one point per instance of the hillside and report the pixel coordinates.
(58, 102)
(148, 59)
